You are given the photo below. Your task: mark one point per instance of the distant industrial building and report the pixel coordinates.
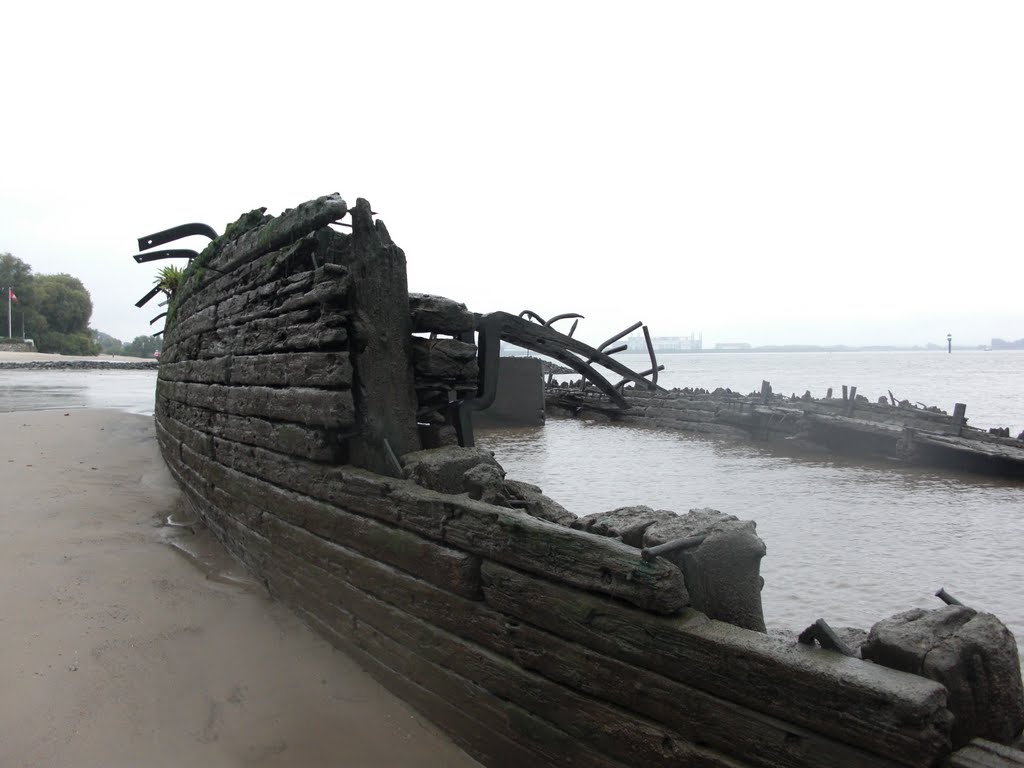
(692, 343)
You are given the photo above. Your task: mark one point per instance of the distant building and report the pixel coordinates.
(1004, 344)
(692, 343)
(727, 345)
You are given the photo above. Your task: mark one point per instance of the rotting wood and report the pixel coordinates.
(381, 356)
(318, 408)
(903, 717)
(613, 731)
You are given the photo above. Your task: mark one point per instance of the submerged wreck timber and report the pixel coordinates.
(305, 420)
(891, 430)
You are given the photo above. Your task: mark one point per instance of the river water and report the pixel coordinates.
(848, 541)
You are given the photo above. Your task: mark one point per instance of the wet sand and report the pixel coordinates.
(119, 650)
(36, 357)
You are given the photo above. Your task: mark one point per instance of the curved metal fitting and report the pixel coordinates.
(176, 233)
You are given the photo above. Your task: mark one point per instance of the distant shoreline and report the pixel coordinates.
(42, 361)
(836, 348)
(79, 365)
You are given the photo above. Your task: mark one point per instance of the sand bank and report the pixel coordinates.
(38, 357)
(117, 650)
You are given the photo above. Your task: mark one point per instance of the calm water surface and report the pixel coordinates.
(848, 541)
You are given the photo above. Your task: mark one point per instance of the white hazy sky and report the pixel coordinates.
(809, 172)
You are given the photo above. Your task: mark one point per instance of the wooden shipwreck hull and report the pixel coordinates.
(899, 433)
(293, 403)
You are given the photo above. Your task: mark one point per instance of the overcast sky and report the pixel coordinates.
(761, 172)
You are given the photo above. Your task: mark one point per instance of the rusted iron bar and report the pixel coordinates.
(142, 302)
(162, 314)
(651, 553)
(563, 316)
(826, 637)
(618, 336)
(530, 314)
(548, 341)
(573, 329)
(947, 598)
(616, 350)
(176, 233)
(654, 361)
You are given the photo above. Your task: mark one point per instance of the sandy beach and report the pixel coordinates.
(121, 650)
(38, 357)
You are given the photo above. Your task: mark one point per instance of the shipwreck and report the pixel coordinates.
(318, 417)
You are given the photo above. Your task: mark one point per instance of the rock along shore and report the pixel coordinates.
(79, 365)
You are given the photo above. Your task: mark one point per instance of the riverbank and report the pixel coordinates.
(119, 650)
(44, 361)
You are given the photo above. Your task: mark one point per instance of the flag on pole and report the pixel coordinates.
(10, 294)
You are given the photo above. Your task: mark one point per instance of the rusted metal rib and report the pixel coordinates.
(176, 233)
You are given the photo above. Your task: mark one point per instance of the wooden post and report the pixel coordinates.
(381, 348)
(845, 394)
(959, 413)
(828, 395)
(853, 400)
(766, 391)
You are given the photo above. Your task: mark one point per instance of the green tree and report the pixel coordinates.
(16, 274)
(66, 306)
(108, 344)
(142, 346)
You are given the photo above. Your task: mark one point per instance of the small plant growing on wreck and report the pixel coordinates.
(168, 279)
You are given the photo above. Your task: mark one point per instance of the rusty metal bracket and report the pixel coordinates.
(618, 336)
(176, 233)
(162, 314)
(947, 598)
(826, 637)
(142, 302)
(653, 553)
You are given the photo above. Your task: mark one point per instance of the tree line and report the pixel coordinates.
(54, 311)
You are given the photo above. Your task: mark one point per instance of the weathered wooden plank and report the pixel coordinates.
(444, 360)
(280, 268)
(755, 738)
(383, 378)
(298, 331)
(517, 539)
(278, 232)
(314, 530)
(898, 715)
(436, 314)
(216, 371)
(493, 735)
(295, 369)
(506, 535)
(470, 619)
(328, 370)
(325, 409)
(318, 445)
(611, 731)
(981, 753)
